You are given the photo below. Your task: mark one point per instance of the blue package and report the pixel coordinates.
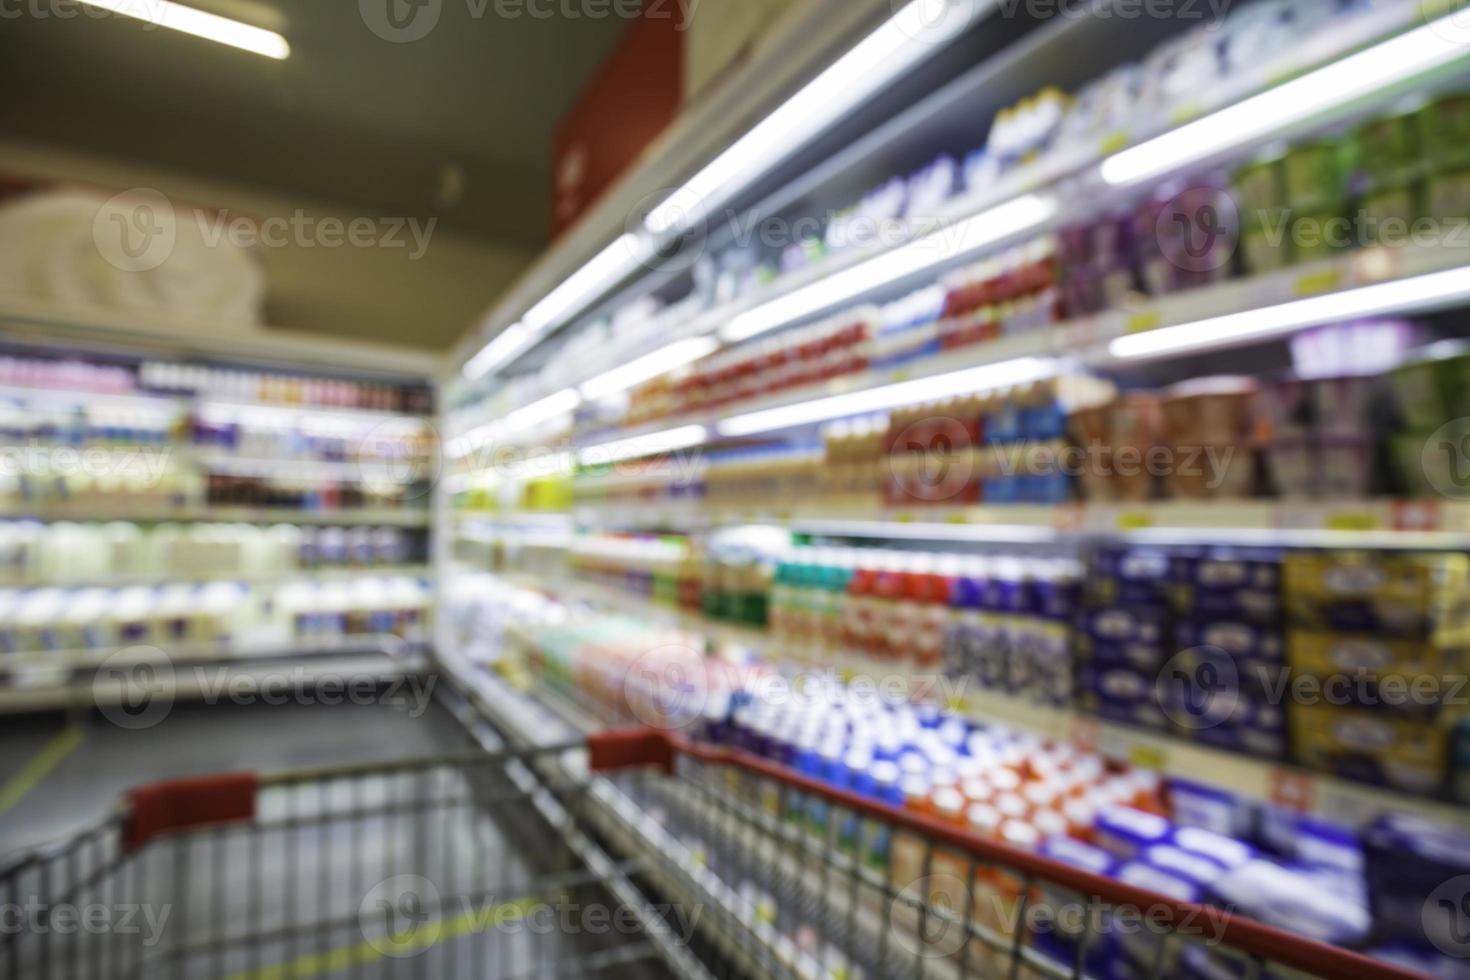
(1126, 832)
(1296, 899)
(1220, 849)
(1126, 624)
(1428, 962)
(1210, 808)
(1194, 868)
(1414, 867)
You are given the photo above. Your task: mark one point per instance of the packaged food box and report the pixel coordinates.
(1225, 584)
(1412, 676)
(1244, 642)
(1122, 574)
(1126, 624)
(1388, 216)
(1253, 727)
(1317, 234)
(1444, 132)
(1407, 861)
(1433, 386)
(1295, 467)
(1258, 188)
(1345, 466)
(1266, 247)
(1316, 174)
(1388, 150)
(1379, 747)
(1209, 411)
(1213, 471)
(1447, 196)
(1406, 595)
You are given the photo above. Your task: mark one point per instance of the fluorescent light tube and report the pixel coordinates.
(1400, 58)
(544, 410)
(1397, 296)
(506, 345)
(211, 27)
(950, 242)
(637, 446)
(650, 366)
(912, 35)
(587, 283)
(1020, 371)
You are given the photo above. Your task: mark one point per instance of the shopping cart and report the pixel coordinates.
(497, 865)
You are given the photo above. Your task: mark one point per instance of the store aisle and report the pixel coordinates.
(58, 776)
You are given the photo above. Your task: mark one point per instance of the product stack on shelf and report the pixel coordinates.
(206, 511)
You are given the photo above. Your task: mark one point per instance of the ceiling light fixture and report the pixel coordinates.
(211, 27)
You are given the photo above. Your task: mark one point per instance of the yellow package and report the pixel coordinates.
(1386, 749)
(1419, 596)
(1424, 671)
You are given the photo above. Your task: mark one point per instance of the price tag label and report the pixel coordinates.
(957, 519)
(1112, 143)
(1292, 790)
(1184, 114)
(1086, 733)
(1143, 321)
(1417, 515)
(1351, 520)
(1322, 281)
(1135, 520)
(1147, 756)
(904, 518)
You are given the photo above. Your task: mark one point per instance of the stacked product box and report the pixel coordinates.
(1124, 630)
(1377, 650)
(1224, 683)
(1010, 627)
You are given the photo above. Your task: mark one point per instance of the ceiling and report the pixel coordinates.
(350, 117)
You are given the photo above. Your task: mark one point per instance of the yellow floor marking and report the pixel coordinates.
(423, 937)
(40, 765)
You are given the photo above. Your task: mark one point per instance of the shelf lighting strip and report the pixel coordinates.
(987, 377)
(1418, 293)
(1398, 59)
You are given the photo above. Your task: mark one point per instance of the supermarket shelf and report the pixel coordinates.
(1073, 176)
(1087, 338)
(221, 515)
(181, 401)
(245, 578)
(1375, 523)
(1340, 800)
(1259, 779)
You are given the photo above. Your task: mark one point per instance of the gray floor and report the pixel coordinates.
(194, 740)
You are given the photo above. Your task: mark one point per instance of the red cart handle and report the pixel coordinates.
(645, 747)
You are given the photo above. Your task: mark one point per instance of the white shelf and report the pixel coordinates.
(221, 515)
(1376, 523)
(334, 574)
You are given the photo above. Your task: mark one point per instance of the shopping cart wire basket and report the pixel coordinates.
(456, 867)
